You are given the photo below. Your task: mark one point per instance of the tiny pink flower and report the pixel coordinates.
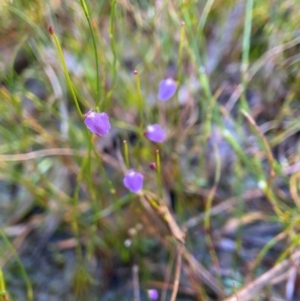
(155, 133)
(133, 181)
(152, 294)
(97, 123)
(167, 89)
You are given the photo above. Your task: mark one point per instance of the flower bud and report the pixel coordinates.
(152, 165)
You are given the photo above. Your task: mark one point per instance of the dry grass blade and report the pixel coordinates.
(226, 205)
(266, 144)
(257, 285)
(136, 283)
(164, 215)
(291, 283)
(196, 270)
(166, 283)
(177, 272)
(56, 152)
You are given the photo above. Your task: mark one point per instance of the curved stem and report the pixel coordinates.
(62, 59)
(86, 12)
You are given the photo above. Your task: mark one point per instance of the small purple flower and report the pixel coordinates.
(152, 294)
(97, 123)
(167, 89)
(133, 181)
(155, 133)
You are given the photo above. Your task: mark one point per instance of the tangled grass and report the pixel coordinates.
(187, 187)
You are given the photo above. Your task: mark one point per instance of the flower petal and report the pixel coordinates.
(133, 181)
(167, 89)
(97, 123)
(152, 294)
(155, 133)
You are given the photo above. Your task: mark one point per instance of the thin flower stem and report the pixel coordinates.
(208, 102)
(245, 54)
(62, 59)
(108, 181)
(92, 147)
(113, 46)
(87, 161)
(111, 35)
(79, 110)
(176, 116)
(196, 53)
(96, 204)
(86, 12)
(3, 293)
(209, 115)
(180, 51)
(2, 283)
(126, 153)
(74, 223)
(140, 98)
(205, 13)
(159, 176)
(246, 39)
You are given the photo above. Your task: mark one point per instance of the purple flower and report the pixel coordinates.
(97, 123)
(167, 89)
(155, 133)
(152, 294)
(133, 181)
